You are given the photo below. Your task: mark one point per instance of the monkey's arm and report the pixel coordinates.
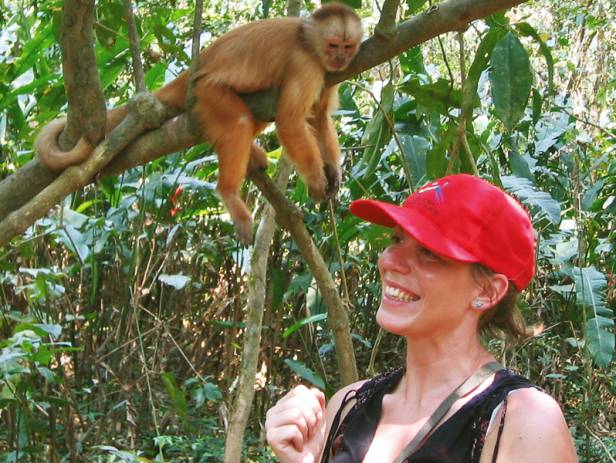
(297, 97)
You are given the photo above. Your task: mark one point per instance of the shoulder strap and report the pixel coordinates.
(468, 385)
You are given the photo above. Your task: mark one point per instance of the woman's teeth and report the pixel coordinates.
(399, 295)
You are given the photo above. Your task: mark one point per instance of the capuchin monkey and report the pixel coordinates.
(290, 55)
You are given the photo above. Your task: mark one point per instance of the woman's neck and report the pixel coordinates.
(435, 366)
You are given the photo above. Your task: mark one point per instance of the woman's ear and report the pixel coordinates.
(492, 289)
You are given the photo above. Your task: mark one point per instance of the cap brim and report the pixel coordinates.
(412, 222)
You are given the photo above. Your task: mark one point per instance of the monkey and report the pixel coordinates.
(290, 55)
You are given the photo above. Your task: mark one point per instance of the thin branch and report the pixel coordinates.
(197, 28)
(135, 50)
(194, 65)
(289, 216)
(386, 27)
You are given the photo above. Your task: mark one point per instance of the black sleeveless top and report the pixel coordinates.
(459, 439)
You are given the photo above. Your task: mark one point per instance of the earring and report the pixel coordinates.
(477, 304)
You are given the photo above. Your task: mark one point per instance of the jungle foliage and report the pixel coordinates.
(122, 313)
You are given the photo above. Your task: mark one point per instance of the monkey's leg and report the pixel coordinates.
(258, 158)
(229, 126)
(330, 150)
(298, 138)
(327, 137)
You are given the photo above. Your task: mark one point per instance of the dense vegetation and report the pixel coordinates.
(123, 312)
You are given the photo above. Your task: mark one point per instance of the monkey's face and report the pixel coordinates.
(339, 53)
(336, 39)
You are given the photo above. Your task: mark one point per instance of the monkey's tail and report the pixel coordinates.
(49, 152)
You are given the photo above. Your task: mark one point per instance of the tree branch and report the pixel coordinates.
(138, 74)
(86, 102)
(449, 16)
(175, 134)
(386, 28)
(289, 216)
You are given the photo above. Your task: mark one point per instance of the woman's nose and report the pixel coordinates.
(395, 259)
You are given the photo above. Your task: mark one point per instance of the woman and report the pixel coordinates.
(462, 251)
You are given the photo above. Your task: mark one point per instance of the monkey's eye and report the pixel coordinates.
(395, 238)
(332, 46)
(348, 47)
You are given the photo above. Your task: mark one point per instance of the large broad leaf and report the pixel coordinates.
(438, 96)
(378, 131)
(415, 150)
(480, 64)
(527, 30)
(524, 190)
(510, 79)
(589, 287)
(305, 373)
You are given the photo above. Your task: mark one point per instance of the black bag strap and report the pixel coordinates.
(468, 385)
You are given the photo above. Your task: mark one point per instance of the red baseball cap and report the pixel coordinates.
(464, 218)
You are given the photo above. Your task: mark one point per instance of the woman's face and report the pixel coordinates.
(423, 293)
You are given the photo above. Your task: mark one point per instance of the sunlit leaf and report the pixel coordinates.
(590, 285)
(510, 79)
(305, 373)
(304, 321)
(525, 191)
(177, 281)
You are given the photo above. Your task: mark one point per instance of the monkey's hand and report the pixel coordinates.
(332, 174)
(295, 426)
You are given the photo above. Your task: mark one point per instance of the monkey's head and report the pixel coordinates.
(335, 35)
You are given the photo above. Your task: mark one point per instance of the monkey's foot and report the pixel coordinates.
(333, 180)
(243, 231)
(317, 189)
(258, 158)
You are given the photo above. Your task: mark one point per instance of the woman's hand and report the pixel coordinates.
(295, 426)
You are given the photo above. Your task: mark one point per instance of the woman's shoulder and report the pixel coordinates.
(533, 403)
(535, 429)
(336, 400)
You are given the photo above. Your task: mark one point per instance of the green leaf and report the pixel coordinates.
(415, 150)
(510, 79)
(590, 285)
(415, 5)
(305, 373)
(528, 31)
(297, 325)
(436, 160)
(537, 104)
(439, 96)
(378, 132)
(480, 64)
(176, 395)
(33, 50)
(207, 392)
(412, 61)
(525, 191)
(351, 3)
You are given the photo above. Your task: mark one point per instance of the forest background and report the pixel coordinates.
(131, 320)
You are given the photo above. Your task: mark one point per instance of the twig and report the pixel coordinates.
(386, 27)
(138, 74)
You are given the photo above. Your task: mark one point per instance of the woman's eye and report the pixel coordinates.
(426, 254)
